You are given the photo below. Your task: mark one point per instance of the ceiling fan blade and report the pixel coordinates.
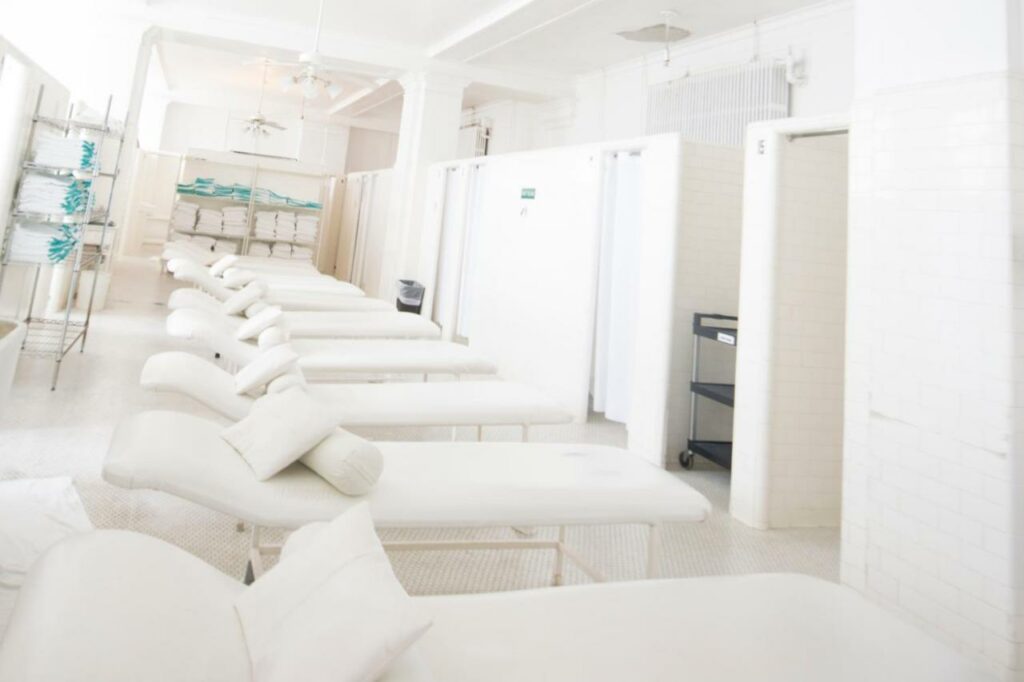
(273, 124)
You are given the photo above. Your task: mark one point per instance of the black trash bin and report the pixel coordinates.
(410, 296)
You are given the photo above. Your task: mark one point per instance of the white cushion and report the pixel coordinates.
(242, 299)
(236, 278)
(286, 381)
(333, 611)
(349, 463)
(252, 327)
(218, 268)
(256, 308)
(266, 367)
(279, 429)
(272, 336)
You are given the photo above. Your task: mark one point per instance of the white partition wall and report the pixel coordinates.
(788, 430)
(519, 241)
(362, 233)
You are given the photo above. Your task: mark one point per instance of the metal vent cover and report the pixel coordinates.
(658, 33)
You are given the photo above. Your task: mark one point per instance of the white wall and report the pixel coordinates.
(189, 126)
(611, 103)
(933, 515)
(370, 150)
(788, 434)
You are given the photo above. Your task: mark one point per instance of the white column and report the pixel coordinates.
(933, 488)
(431, 112)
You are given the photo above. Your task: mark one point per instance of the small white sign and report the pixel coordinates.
(727, 338)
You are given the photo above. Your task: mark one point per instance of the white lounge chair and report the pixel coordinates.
(447, 403)
(335, 359)
(320, 296)
(122, 607)
(435, 485)
(364, 318)
(184, 249)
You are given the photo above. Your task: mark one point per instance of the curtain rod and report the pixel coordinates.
(820, 133)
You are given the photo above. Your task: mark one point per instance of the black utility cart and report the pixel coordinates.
(720, 329)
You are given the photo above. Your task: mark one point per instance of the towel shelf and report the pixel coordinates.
(720, 329)
(56, 336)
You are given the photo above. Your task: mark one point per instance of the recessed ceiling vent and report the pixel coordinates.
(658, 33)
(664, 33)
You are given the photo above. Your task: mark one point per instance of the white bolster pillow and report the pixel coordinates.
(349, 463)
(266, 318)
(271, 336)
(242, 299)
(236, 278)
(218, 268)
(264, 368)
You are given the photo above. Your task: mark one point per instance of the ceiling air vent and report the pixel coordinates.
(664, 33)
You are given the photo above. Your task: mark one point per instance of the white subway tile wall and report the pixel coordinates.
(805, 476)
(934, 369)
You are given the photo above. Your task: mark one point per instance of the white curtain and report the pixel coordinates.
(471, 245)
(614, 337)
(449, 257)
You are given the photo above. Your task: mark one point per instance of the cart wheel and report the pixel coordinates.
(686, 459)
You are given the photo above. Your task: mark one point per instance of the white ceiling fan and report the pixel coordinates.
(259, 125)
(313, 76)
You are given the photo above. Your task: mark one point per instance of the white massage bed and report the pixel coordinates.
(365, 320)
(433, 485)
(335, 359)
(446, 403)
(272, 266)
(198, 299)
(320, 295)
(118, 606)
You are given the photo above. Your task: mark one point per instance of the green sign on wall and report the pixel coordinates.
(528, 193)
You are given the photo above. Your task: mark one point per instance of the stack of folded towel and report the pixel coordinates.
(306, 227)
(225, 246)
(266, 225)
(281, 250)
(285, 229)
(260, 249)
(65, 152)
(210, 221)
(235, 220)
(50, 195)
(183, 216)
(41, 243)
(204, 242)
(302, 253)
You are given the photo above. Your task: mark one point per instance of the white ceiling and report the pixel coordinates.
(502, 39)
(552, 36)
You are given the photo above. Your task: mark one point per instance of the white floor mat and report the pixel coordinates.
(34, 514)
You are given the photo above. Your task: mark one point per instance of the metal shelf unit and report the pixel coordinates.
(717, 451)
(253, 205)
(56, 336)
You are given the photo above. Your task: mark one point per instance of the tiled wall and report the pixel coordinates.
(934, 357)
(707, 280)
(805, 465)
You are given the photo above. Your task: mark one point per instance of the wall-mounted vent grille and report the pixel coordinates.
(715, 107)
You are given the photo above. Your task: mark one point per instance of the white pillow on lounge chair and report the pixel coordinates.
(290, 380)
(272, 336)
(256, 308)
(264, 368)
(218, 268)
(280, 428)
(243, 298)
(252, 327)
(236, 278)
(351, 464)
(334, 612)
